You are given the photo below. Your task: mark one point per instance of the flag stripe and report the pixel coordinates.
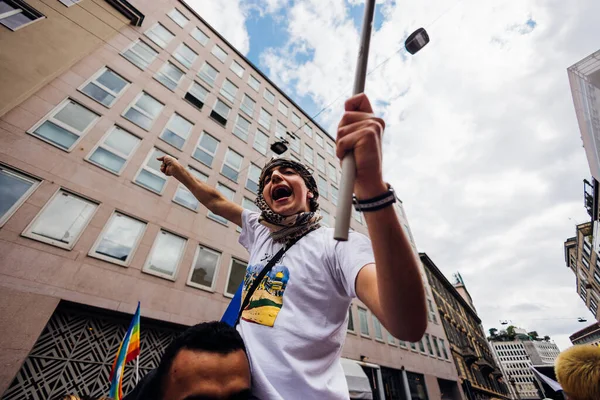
(129, 349)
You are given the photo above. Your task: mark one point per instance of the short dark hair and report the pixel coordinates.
(212, 337)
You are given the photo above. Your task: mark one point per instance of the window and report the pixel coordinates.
(377, 327)
(253, 178)
(178, 17)
(585, 263)
(350, 320)
(228, 193)
(149, 175)
(308, 130)
(184, 197)
(241, 128)
(208, 73)
(114, 150)
(237, 271)
(247, 105)
(329, 147)
(196, 95)
(65, 125)
(253, 83)
(294, 143)
(321, 163)
(322, 185)
(177, 131)
(261, 142)
(169, 75)
(220, 112)
(119, 239)
(200, 36)
(428, 343)
(229, 90)
(282, 108)
(159, 35)
(232, 165)
(597, 277)
(16, 188)
(391, 339)
(105, 87)
(15, 15)
(140, 54)
(219, 53)
(319, 139)
(206, 149)
(264, 119)
(364, 324)
(280, 130)
(249, 205)
(237, 68)
(437, 348)
(326, 221)
(69, 3)
(421, 346)
(185, 55)
(143, 111)
(165, 255)
(308, 154)
(269, 96)
(62, 220)
(402, 343)
(296, 119)
(332, 172)
(334, 195)
(413, 346)
(204, 268)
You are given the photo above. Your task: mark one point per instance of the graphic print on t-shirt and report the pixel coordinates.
(267, 300)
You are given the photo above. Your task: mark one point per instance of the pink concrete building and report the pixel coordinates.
(88, 224)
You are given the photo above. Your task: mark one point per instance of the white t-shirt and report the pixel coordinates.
(295, 324)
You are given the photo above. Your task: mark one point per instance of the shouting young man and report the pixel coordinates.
(295, 322)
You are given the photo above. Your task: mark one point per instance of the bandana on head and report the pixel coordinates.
(285, 228)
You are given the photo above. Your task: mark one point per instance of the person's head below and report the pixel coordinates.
(207, 361)
(288, 187)
(578, 372)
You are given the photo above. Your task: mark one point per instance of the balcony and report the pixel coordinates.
(469, 355)
(485, 366)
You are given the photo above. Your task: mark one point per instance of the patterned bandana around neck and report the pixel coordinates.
(284, 229)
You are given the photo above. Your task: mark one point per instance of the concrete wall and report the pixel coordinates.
(34, 55)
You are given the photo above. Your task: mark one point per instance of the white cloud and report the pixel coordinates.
(481, 144)
(232, 27)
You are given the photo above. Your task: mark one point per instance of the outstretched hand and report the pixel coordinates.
(360, 131)
(170, 166)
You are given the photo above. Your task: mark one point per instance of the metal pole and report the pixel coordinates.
(343, 212)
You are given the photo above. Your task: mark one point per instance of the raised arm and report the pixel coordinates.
(210, 197)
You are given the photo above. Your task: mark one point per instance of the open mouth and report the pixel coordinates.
(281, 193)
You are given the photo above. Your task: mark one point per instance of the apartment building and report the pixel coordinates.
(588, 335)
(89, 225)
(478, 372)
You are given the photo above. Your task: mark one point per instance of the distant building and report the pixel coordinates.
(588, 335)
(477, 370)
(585, 264)
(541, 351)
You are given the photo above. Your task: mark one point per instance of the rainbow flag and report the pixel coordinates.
(128, 350)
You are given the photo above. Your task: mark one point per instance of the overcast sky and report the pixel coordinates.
(482, 144)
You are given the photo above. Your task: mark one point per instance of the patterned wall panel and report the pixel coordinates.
(75, 352)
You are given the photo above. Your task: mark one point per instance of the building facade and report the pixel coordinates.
(516, 367)
(480, 377)
(583, 260)
(588, 335)
(89, 226)
(541, 352)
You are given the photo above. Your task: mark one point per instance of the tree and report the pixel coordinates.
(547, 338)
(493, 332)
(533, 335)
(510, 331)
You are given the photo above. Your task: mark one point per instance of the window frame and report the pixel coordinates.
(225, 93)
(185, 139)
(350, 318)
(154, 41)
(180, 13)
(92, 80)
(143, 112)
(28, 231)
(35, 183)
(312, 152)
(92, 253)
(256, 135)
(183, 187)
(213, 155)
(113, 151)
(167, 77)
(189, 281)
(252, 79)
(226, 163)
(287, 109)
(225, 293)
(218, 115)
(271, 102)
(235, 126)
(143, 167)
(198, 74)
(146, 268)
(367, 334)
(50, 117)
(203, 101)
(179, 56)
(243, 106)
(319, 140)
(130, 48)
(330, 149)
(377, 323)
(22, 8)
(217, 57)
(233, 62)
(260, 119)
(203, 44)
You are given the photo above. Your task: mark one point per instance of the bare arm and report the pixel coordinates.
(392, 287)
(210, 197)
